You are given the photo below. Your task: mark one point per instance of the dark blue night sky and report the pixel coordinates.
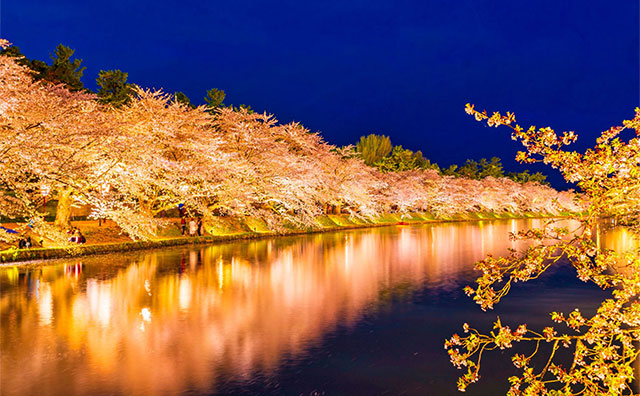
(349, 68)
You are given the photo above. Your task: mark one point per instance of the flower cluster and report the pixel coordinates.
(605, 346)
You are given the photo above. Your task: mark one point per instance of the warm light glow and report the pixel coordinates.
(241, 308)
(45, 189)
(45, 303)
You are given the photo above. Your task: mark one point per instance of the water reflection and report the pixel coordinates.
(619, 239)
(622, 241)
(178, 320)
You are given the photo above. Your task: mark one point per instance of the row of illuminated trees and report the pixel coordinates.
(375, 150)
(131, 162)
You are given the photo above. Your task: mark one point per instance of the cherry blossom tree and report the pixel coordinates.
(163, 153)
(605, 345)
(51, 141)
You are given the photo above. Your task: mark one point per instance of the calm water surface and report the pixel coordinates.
(361, 312)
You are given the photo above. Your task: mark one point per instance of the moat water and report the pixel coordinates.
(361, 312)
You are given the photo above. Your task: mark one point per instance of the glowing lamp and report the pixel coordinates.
(44, 190)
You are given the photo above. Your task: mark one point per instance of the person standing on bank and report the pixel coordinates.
(192, 227)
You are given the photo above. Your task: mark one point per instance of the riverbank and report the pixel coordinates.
(106, 238)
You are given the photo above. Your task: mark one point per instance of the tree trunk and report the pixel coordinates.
(63, 210)
(146, 209)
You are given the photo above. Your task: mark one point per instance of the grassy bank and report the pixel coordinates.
(108, 240)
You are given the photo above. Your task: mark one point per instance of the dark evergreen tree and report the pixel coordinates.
(374, 148)
(215, 98)
(39, 67)
(491, 168)
(450, 171)
(113, 87)
(64, 70)
(470, 170)
(525, 176)
(14, 52)
(181, 97)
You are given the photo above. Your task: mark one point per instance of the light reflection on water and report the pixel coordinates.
(177, 320)
(619, 239)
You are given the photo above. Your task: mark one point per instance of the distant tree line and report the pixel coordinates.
(113, 87)
(378, 151)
